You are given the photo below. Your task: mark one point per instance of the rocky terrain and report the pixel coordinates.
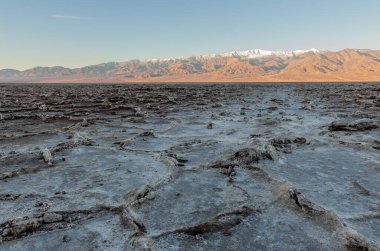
(190, 167)
(246, 66)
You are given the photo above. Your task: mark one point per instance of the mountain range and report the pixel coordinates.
(237, 66)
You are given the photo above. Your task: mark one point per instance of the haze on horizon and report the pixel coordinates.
(76, 33)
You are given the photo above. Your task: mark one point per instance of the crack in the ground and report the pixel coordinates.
(50, 221)
(223, 222)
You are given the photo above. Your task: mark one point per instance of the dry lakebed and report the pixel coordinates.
(190, 166)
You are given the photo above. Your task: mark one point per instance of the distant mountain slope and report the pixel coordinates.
(248, 66)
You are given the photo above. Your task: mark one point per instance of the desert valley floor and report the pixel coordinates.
(190, 167)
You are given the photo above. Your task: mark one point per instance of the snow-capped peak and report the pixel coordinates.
(256, 53)
(248, 54)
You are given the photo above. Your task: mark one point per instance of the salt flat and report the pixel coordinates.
(190, 167)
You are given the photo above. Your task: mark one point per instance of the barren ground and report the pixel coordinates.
(190, 167)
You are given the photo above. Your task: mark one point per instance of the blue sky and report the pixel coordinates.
(75, 33)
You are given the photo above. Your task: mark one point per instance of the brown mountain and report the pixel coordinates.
(248, 66)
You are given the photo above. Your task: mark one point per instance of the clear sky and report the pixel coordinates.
(75, 33)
